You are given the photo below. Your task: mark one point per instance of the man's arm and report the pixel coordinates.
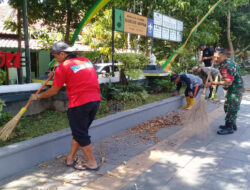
(226, 82)
(48, 93)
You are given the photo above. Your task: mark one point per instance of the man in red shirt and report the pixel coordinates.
(83, 91)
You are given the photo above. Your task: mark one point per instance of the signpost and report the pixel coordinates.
(162, 26)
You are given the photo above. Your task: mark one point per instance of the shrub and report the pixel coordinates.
(103, 107)
(131, 96)
(165, 85)
(108, 91)
(93, 56)
(131, 88)
(2, 76)
(5, 117)
(2, 103)
(131, 63)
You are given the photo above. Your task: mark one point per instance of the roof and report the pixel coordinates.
(11, 43)
(8, 38)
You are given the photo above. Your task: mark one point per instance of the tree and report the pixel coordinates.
(98, 35)
(61, 16)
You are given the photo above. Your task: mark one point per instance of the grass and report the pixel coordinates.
(51, 121)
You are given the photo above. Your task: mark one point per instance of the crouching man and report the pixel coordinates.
(193, 84)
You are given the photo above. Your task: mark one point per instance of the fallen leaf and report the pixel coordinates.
(42, 165)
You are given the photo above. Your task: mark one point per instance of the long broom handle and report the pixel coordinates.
(39, 90)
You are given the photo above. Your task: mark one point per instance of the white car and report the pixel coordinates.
(105, 69)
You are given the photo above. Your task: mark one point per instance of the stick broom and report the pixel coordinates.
(196, 119)
(7, 129)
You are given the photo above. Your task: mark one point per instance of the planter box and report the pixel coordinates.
(24, 155)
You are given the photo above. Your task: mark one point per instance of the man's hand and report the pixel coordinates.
(175, 93)
(34, 97)
(51, 73)
(190, 94)
(208, 85)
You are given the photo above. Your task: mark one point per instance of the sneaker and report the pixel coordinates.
(224, 127)
(225, 131)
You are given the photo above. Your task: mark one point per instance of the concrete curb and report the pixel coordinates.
(24, 155)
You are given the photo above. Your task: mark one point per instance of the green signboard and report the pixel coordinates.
(119, 20)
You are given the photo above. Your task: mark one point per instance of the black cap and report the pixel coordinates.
(221, 50)
(58, 47)
(201, 45)
(173, 77)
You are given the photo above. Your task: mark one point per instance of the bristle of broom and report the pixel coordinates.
(7, 129)
(196, 119)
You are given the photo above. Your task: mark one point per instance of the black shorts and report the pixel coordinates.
(80, 119)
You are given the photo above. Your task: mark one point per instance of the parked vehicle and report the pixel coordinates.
(105, 69)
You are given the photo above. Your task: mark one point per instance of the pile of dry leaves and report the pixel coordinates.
(150, 128)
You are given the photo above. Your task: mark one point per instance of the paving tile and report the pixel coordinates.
(238, 155)
(155, 178)
(220, 183)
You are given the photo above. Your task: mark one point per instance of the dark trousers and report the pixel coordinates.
(212, 89)
(80, 119)
(195, 91)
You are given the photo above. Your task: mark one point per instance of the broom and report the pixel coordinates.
(196, 119)
(7, 129)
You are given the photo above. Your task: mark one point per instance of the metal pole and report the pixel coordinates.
(151, 45)
(26, 37)
(19, 71)
(113, 41)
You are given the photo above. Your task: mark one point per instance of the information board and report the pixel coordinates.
(171, 29)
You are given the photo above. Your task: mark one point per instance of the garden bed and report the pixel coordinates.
(51, 121)
(26, 154)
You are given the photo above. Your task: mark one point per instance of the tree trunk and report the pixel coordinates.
(230, 43)
(123, 79)
(69, 17)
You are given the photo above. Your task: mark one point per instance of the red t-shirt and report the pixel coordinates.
(81, 81)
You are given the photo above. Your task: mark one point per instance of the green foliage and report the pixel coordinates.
(131, 96)
(2, 76)
(108, 91)
(103, 107)
(124, 92)
(132, 63)
(2, 103)
(185, 63)
(99, 35)
(93, 56)
(159, 85)
(131, 88)
(5, 117)
(164, 85)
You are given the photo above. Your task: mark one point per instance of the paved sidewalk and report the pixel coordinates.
(213, 163)
(206, 163)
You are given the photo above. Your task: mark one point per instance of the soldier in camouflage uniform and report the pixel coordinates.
(232, 82)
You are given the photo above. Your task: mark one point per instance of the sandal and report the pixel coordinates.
(73, 163)
(84, 167)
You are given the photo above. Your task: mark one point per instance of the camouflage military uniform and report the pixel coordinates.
(230, 70)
